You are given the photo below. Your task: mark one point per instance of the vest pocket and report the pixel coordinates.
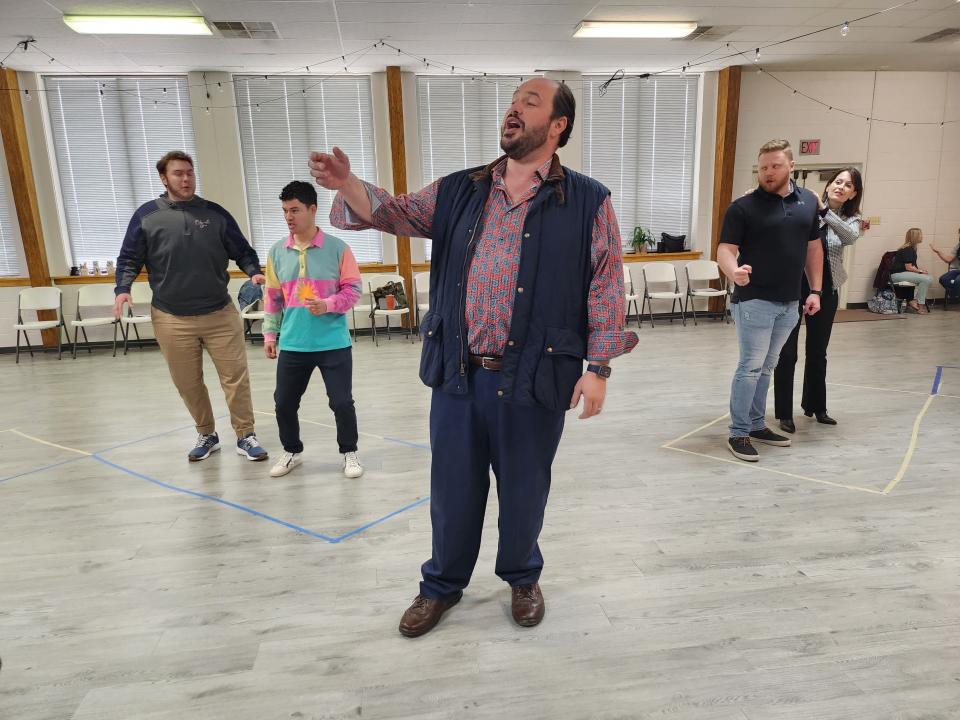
(559, 369)
(431, 356)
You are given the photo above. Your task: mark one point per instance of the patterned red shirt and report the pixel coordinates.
(493, 272)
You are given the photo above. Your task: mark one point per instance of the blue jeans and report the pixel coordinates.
(919, 279)
(762, 329)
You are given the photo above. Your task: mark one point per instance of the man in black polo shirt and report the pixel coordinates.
(769, 238)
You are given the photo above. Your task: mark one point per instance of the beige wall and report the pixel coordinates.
(909, 180)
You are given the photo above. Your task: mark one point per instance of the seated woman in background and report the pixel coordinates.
(951, 278)
(905, 269)
(841, 226)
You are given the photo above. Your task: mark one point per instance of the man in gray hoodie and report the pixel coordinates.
(186, 242)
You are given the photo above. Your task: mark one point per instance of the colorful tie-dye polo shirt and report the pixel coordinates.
(325, 270)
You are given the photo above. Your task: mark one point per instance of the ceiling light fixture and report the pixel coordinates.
(610, 29)
(137, 25)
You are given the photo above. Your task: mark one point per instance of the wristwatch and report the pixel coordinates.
(818, 293)
(603, 371)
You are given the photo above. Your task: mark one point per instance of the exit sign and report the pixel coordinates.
(810, 147)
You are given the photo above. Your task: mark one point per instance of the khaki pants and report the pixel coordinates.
(182, 339)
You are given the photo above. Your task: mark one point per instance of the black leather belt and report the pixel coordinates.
(487, 362)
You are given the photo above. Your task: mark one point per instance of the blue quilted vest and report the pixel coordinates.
(547, 343)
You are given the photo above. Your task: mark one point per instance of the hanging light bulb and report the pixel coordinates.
(26, 95)
(845, 29)
(156, 106)
(756, 55)
(164, 91)
(220, 86)
(308, 68)
(207, 110)
(258, 107)
(683, 70)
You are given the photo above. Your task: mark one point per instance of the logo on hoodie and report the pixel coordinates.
(201, 223)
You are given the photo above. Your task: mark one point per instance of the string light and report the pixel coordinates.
(164, 91)
(220, 86)
(756, 55)
(845, 29)
(258, 107)
(26, 94)
(207, 110)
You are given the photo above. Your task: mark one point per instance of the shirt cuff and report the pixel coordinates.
(269, 337)
(605, 345)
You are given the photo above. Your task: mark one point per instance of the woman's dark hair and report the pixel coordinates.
(564, 105)
(852, 206)
(299, 190)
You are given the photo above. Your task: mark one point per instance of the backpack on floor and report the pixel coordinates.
(883, 302)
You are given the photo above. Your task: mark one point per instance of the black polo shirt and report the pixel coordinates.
(772, 233)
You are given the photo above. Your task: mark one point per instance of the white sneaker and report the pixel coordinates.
(351, 465)
(286, 463)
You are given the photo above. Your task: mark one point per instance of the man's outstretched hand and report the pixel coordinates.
(330, 171)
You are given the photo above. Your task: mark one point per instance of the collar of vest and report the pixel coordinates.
(555, 176)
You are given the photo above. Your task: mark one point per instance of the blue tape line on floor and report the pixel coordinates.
(936, 380)
(204, 496)
(407, 443)
(369, 525)
(41, 469)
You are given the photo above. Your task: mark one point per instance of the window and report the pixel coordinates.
(460, 123)
(11, 259)
(107, 146)
(282, 120)
(639, 140)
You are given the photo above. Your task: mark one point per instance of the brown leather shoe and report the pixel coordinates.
(527, 605)
(423, 615)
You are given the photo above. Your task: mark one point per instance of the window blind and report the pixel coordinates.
(11, 259)
(283, 119)
(107, 146)
(460, 123)
(639, 140)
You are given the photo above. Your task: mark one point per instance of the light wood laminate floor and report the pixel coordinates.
(680, 583)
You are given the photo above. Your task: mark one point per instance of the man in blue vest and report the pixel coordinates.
(526, 282)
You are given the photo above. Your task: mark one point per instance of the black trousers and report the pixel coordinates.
(293, 375)
(819, 327)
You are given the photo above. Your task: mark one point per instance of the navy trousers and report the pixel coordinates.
(469, 434)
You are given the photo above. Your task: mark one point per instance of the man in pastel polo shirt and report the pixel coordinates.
(312, 282)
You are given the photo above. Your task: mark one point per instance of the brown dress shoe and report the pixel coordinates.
(527, 605)
(424, 614)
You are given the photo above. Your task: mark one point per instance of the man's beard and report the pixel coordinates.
(524, 143)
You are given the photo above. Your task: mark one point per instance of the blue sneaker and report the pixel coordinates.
(206, 444)
(250, 448)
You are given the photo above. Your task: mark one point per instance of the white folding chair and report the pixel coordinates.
(37, 299)
(364, 306)
(631, 294)
(903, 285)
(250, 315)
(93, 296)
(142, 295)
(421, 295)
(661, 274)
(378, 281)
(703, 271)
